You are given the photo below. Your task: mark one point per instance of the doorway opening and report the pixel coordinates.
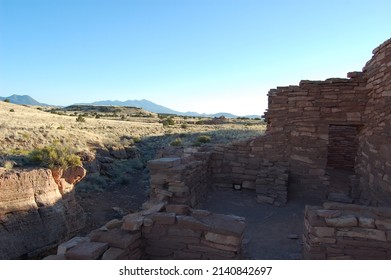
(341, 157)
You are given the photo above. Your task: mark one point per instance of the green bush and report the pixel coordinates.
(80, 118)
(55, 156)
(8, 164)
(12, 110)
(204, 139)
(7, 100)
(184, 125)
(168, 121)
(136, 139)
(176, 142)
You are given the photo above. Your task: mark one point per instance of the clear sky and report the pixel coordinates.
(207, 56)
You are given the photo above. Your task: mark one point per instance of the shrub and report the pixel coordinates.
(176, 142)
(203, 139)
(92, 182)
(8, 164)
(55, 156)
(136, 139)
(12, 110)
(168, 121)
(7, 100)
(80, 118)
(184, 125)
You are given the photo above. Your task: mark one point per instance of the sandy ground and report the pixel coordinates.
(272, 233)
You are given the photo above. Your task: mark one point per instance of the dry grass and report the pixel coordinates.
(24, 128)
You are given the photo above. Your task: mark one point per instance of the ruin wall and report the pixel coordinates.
(160, 232)
(374, 155)
(339, 231)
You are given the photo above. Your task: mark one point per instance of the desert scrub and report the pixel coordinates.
(93, 182)
(80, 118)
(168, 121)
(176, 142)
(204, 139)
(7, 164)
(55, 156)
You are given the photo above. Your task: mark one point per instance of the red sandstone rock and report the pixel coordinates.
(33, 212)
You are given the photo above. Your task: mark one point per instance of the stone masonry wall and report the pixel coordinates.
(179, 180)
(347, 231)
(374, 156)
(304, 113)
(160, 232)
(185, 175)
(253, 164)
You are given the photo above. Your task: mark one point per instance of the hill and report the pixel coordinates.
(159, 109)
(23, 100)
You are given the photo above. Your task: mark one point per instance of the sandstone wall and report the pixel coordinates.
(179, 180)
(36, 213)
(304, 115)
(347, 231)
(374, 157)
(161, 232)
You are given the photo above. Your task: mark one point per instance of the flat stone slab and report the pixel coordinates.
(339, 197)
(343, 221)
(225, 224)
(162, 163)
(64, 247)
(87, 251)
(114, 254)
(115, 237)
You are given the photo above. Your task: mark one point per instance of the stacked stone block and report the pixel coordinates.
(374, 157)
(198, 234)
(162, 231)
(304, 113)
(179, 180)
(272, 183)
(347, 231)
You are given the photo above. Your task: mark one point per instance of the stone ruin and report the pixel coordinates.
(330, 138)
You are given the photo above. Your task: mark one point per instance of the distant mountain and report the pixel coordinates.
(144, 104)
(23, 100)
(159, 109)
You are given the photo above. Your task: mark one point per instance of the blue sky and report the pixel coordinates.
(190, 55)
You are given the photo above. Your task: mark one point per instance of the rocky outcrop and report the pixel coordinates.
(38, 210)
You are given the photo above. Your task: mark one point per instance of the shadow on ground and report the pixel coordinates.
(272, 233)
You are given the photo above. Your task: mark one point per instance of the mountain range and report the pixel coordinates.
(144, 104)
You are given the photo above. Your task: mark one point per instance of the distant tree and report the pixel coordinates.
(7, 100)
